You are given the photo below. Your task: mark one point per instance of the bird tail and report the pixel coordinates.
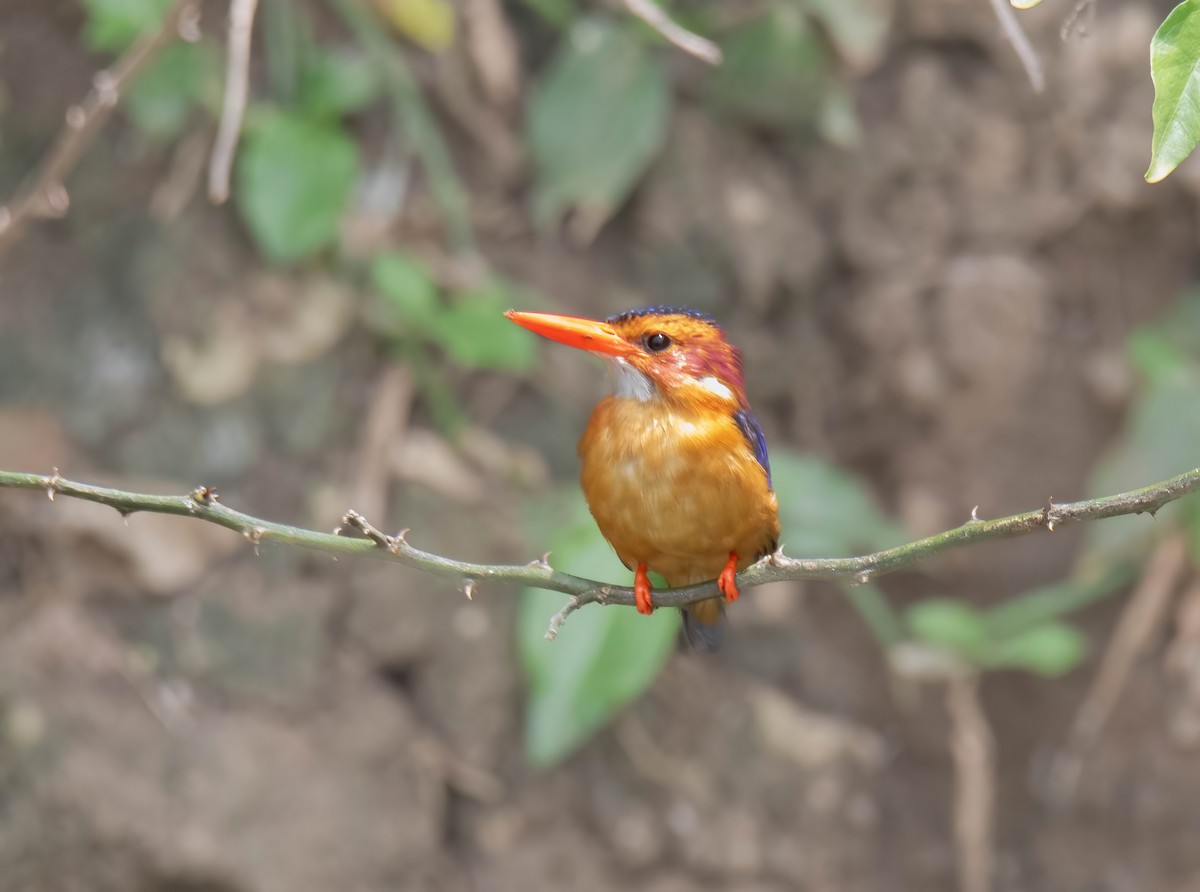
(704, 625)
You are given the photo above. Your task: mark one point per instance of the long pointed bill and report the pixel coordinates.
(596, 337)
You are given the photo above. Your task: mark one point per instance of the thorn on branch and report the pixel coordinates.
(205, 495)
(975, 514)
(469, 589)
(542, 563)
(52, 483)
(556, 621)
(1048, 518)
(353, 519)
(255, 537)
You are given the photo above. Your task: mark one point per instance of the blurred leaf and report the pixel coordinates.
(475, 333)
(1051, 649)
(338, 83)
(858, 28)
(161, 99)
(602, 659)
(1174, 58)
(1159, 442)
(596, 121)
(1156, 357)
(824, 511)
(556, 12)
(775, 71)
(1024, 4)
(113, 25)
(949, 625)
(427, 23)
(409, 289)
(837, 120)
(294, 180)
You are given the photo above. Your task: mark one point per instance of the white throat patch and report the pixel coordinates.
(628, 382)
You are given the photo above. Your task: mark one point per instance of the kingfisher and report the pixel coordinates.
(674, 462)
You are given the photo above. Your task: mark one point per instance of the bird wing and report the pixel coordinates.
(755, 438)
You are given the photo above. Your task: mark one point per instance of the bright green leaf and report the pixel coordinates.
(949, 625)
(1175, 69)
(602, 659)
(1051, 649)
(596, 121)
(475, 333)
(113, 25)
(162, 97)
(410, 290)
(858, 28)
(776, 70)
(338, 83)
(1024, 4)
(294, 181)
(826, 512)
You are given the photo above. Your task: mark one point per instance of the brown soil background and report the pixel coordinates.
(942, 311)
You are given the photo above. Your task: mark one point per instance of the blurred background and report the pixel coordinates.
(952, 292)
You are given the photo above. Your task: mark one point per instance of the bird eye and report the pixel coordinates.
(657, 342)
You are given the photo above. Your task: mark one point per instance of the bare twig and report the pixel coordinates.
(693, 44)
(202, 505)
(45, 194)
(1016, 35)
(973, 748)
(1143, 614)
(237, 84)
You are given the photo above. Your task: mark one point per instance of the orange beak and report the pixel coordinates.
(595, 337)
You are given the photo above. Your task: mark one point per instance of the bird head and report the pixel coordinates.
(656, 353)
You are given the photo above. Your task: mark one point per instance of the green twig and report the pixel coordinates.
(203, 504)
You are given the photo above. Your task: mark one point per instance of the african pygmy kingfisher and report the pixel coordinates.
(675, 467)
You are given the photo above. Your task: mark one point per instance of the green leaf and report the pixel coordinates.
(826, 512)
(338, 83)
(858, 28)
(410, 290)
(475, 333)
(776, 70)
(1051, 649)
(162, 97)
(596, 121)
(601, 660)
(1175, 69)
(113, 25)
(1024, 4)
(294, 181)
(949, 625)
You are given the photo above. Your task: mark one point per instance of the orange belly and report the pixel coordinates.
(676, 490)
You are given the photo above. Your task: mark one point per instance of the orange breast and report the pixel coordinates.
(676, 489)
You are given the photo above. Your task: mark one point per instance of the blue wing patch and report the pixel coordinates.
(755, 437)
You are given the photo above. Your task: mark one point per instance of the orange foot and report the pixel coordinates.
(727, 581)
(641, 591)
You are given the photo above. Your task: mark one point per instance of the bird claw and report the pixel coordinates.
(727, 581)
(641, 591)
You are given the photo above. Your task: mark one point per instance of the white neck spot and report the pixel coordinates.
(713, 385)
(629, 383)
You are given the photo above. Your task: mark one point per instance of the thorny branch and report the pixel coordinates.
(203, 504)
(46, 194)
